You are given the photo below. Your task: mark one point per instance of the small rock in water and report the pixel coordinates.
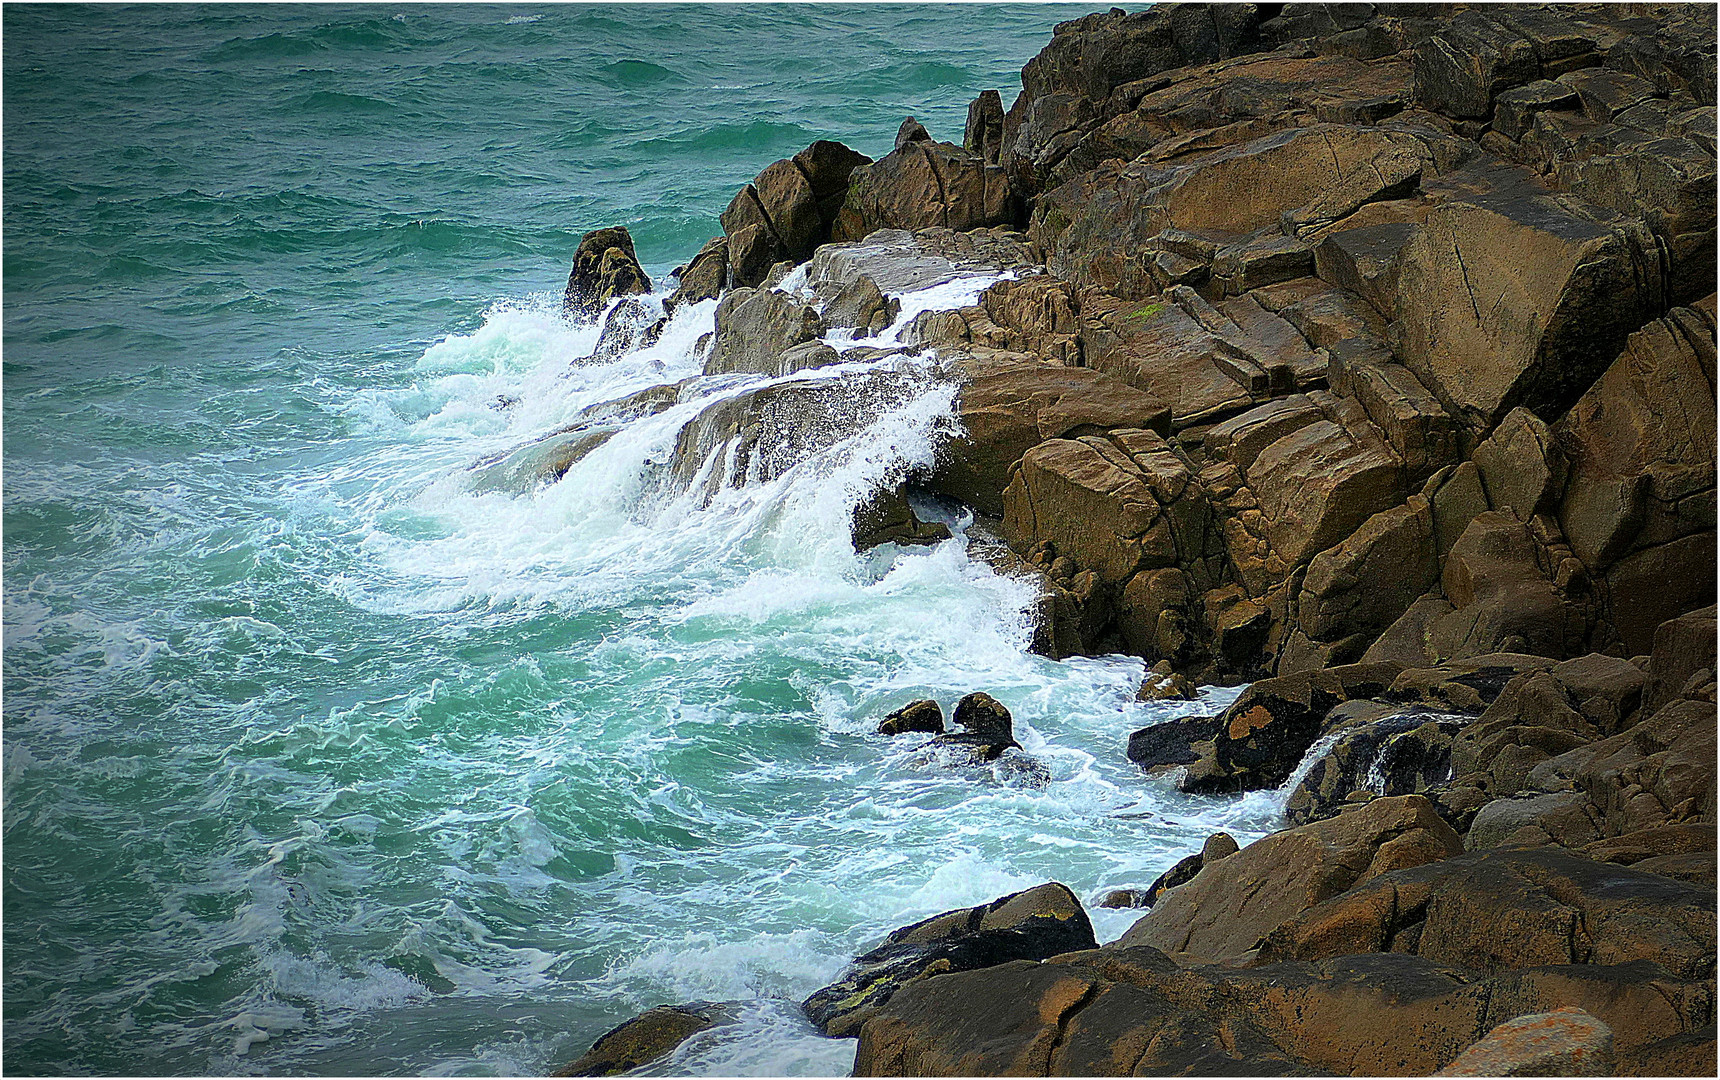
(647, 1037)
(924, 715)
(982, 714)
(1126, 898)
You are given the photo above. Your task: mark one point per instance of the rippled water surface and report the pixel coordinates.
(318, 762)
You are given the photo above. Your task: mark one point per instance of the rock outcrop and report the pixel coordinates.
(604, 269)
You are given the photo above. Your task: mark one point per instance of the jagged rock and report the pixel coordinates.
(604, 268)
(1514, 110)
(1522, 470)
(982, 714)
(755, 327)
(1008, 407)
(1226, 911)
(920, 184)
(1370, 579)
(1641, 444)
(984, 133)
(704, 277)
(1364, 260)
(787, 210)
(1497, 910)
(647, 1037)
(1682, 647)
(629, 325)
(538, 463)
(1317, 485)
(1544, 298)
(1028, 925)
(914, 716)
(1459, 70)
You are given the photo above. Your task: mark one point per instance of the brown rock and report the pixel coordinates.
(1229, 908)
(1559, 292)
(755, 327)
(1317, 485)
(1565, 1042)
(704, 277)
(914, 716)
(604, 268)
(645, 1038)
(922, 184)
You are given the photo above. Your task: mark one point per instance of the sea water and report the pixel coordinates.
(319, 761)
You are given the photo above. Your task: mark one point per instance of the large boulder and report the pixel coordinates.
(1229, 908)
(604, 269)
(1545, 296)
(1498, 910)
(1029, 925)
(1008, 406)
(921, 184)
(755, 328)
(787, 210)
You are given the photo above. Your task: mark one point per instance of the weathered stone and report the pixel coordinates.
(1229, 908)
(1682, 647)
(1028, 925)
(1504, 601)
(1566, 1042)
(704, 277)
(1316, 485)
(1522, 470)
(1544, 300)
(599, 277)
(1471, 59)
(1008, 407)
(921, 184)
(1364, 261)
(1171, 742)
(1365, 583)
(1514, 110)
(755, 327)
(984, 133)
(1496, 910)
(924, 716)
(647, 1037)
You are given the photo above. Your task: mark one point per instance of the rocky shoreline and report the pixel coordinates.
(1364, 353)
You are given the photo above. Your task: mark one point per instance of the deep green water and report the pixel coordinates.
(316, 762)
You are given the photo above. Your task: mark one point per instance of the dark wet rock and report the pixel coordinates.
(984, 133)
(604, 268)
(1171, 742)
(1029, 925)
(915, 716)
(755, 327)
(1265, 733)
(647, 1037)
(889, 517)
(1388, 752)
(630, 325)
(537, 464)
(982, 714)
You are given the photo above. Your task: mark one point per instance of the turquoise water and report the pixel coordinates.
(316, 761)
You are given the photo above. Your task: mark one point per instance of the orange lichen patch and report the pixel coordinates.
(1248, 722)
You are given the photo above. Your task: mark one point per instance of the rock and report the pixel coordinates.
(1500, 909)
(1229, 908)
(1265, 732)
(1008, 407)
(1219, 845)
(647, 1037)
(629, 325)
(1317, 485)
(537, 464)
(921, 184)
(604, 268)
(1504, 601)
(1171, 742)
(911, 131)
(1370, 579)
(1391, 752)
(984, 133)
(704, 277)
(1566, 1042)
(755, 327)
(1125, 898)
(1181, 873)
(982, 714)
(1364, 260)
(786, 210)
(1028, 925)
(1682, 647)
(1459, 70)
(1640, 443)
(1165, 686)
(888, 517)
(1560, 290)
(1515, 109)
(1522, 470)
(914, 716)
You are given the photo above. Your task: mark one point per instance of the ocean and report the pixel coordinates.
(318, 761)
